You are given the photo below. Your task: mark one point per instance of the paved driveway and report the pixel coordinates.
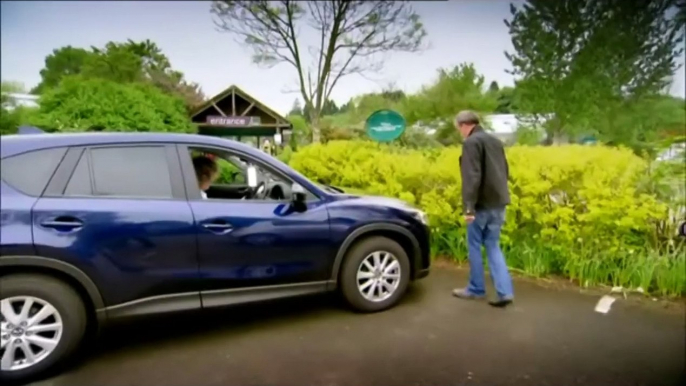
(549, 337)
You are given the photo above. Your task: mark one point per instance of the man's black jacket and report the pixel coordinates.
(484, 172)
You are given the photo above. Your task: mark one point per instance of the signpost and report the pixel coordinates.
(385, 125)
(233, 121)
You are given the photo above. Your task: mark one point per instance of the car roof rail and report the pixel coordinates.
(23, 130)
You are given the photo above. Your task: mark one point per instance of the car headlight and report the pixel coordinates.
(421, 217)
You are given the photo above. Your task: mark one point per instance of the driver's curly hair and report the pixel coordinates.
(204, 166)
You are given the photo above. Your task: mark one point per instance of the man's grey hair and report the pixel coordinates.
(467, 117)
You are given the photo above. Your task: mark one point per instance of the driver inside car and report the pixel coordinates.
(206, 171)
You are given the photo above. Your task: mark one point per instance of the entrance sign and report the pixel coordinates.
(232, 121)
(385, 125)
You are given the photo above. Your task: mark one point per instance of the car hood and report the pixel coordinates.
(377, 201)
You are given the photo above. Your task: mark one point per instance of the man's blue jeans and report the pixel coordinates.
(485, 231)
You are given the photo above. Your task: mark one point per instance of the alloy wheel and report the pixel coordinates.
(30, 330)
(378, 276)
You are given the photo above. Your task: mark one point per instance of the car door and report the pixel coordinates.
(253, 249)
(119, 213)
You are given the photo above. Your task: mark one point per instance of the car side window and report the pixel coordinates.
(30, 172)
(140, 171)
(231, 180)
(80, 182)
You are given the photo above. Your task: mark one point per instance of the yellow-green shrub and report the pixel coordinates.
(573, 207)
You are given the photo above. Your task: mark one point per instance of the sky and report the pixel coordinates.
(458, 31)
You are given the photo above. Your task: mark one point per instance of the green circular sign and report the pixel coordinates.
(385, 125)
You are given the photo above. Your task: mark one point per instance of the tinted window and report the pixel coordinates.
(131, 171)
(80, 181)
(30, 172)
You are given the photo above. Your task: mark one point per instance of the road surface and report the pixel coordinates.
(550, 336)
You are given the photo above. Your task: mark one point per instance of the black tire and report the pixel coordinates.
(70, 307)
(354, 257)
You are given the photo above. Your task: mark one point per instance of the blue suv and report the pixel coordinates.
(100, 226)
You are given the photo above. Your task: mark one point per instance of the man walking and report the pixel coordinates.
(485, 195)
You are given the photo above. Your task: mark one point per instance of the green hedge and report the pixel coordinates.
(586, 213)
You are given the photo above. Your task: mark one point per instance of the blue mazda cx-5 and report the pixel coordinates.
(100, 226)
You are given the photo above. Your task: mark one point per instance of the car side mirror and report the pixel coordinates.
(299, 198)
(252, 176)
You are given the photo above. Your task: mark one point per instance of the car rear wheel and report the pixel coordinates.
(42, 321)
(375, 274)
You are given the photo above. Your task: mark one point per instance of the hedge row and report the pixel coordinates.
(578, 211)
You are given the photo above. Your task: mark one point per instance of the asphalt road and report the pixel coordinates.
(550, 336)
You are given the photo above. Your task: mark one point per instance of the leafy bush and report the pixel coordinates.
(83, 104)
(576, 211)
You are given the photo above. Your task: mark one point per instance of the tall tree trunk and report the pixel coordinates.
(316, 130)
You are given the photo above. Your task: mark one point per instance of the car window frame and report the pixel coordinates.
(191, 183)
(58, 185)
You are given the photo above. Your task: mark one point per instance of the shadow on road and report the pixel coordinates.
(205, 324)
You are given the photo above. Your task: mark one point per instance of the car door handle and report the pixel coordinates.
(63, 223)
(218, 226)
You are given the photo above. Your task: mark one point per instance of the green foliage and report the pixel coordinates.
(578, 211)
(285, 155)
(526, 135)
(434, 107)
(301, 131)
(12, 119)
(507, 101)
(571, 61)
(296, 109)
(328, 108)
(84, 104)
(11, 115)
(127, 62)
(61, 62)
(459, 88)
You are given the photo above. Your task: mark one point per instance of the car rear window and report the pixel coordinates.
(131, 172)
(30, 172)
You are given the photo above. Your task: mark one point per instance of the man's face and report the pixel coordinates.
(464, 129)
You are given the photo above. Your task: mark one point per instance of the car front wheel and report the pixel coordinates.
(42, 321)
(375, 274)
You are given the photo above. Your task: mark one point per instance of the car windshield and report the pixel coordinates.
(329, 188)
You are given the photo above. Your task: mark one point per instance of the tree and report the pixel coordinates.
(329, 108)
(8, 86)
(301, 131)
(571, 61)
(127, 62)
(351, 35)
(61, 62)
(392, 93)
(507, 101)
(647, 122)
(350, 105)
(493, 87)
(296, 109)
(455, 89)
(79, 104)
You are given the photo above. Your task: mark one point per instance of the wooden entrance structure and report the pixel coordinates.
(234, 113)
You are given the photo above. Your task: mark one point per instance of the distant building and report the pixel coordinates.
(504, 126)
(673, 153)
(24, 100)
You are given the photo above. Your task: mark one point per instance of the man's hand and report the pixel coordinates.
(469, 218)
